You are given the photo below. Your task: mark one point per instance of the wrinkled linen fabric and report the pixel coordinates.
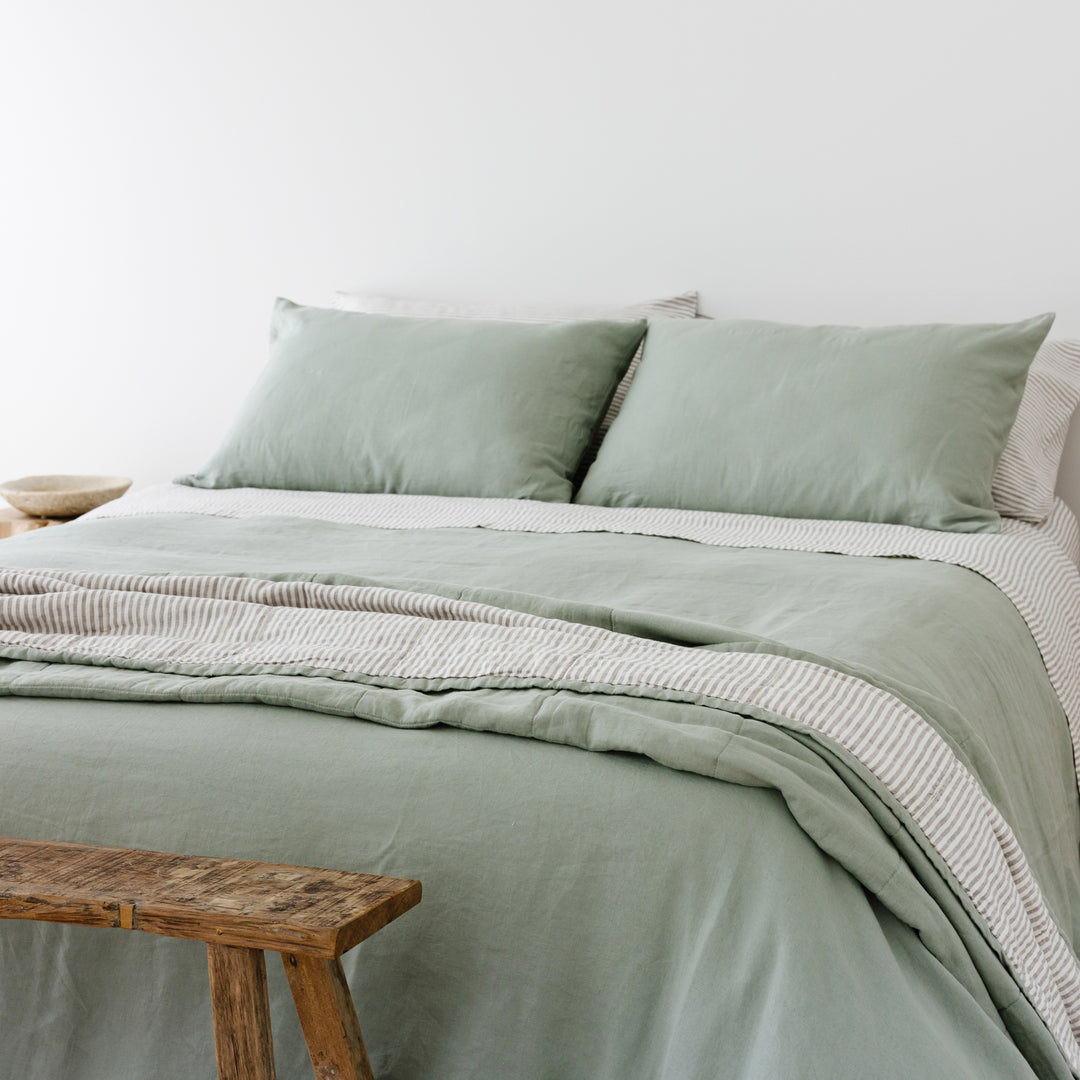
(631, 919)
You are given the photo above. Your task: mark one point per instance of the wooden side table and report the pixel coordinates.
(239, 908)
(13, 522)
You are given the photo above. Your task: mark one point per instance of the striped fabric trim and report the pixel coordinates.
(386, 634)
(1027, 472)
(684, 306)
(1026, 562)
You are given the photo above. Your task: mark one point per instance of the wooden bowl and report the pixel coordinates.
(62, 496)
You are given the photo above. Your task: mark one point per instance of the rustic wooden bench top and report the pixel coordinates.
(239, 908)
(223, 901)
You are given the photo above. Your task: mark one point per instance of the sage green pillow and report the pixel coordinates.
(899, 424)
(384, 403)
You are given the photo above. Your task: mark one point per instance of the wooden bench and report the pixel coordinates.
(238, 908)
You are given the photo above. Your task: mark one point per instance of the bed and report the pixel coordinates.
(694, 791)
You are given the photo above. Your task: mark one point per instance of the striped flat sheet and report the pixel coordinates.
(1036, 566)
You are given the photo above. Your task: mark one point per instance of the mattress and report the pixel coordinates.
(691, 795)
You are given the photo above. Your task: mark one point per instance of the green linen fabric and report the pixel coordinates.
(380, 403)
(899, 424)
(585, 915)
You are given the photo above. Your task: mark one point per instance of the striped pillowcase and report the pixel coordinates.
(1027, 472)
(684, 306)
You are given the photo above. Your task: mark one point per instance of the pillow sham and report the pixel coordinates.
(901, 424)
(683, 306)
(378, 403)
(1027, 472)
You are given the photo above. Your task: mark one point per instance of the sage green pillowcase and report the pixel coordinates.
(385, 403)
(900, 424)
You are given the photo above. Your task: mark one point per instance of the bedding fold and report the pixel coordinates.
(1034, 567)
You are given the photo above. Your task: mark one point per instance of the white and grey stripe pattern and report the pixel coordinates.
(1062, 527)
(1028, 563)
(295, 627)
(1027, 472)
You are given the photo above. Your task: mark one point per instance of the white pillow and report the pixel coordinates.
(1027, 472)
(677, 307)
(683, 306)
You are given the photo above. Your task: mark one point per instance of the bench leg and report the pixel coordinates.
(242, 1037)
(328, 1017)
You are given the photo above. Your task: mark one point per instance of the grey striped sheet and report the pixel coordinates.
(223, 625)
(1027, 472)
(1028, 563)
(1062, 527)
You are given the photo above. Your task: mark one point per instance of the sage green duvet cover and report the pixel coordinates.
(586, 914)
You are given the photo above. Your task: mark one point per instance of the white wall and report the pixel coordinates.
(168, 167)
